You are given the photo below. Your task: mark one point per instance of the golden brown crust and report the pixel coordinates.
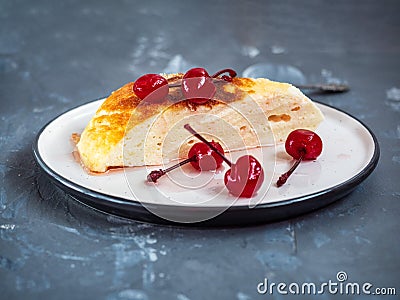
(124, 99)
(123, 110)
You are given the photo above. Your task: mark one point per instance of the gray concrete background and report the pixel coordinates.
(56, 55)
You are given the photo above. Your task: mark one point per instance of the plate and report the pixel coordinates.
(350, 154)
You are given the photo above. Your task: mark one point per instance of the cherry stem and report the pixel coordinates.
(284, 177)
(231, 73)
(196, 134)
(156, 174)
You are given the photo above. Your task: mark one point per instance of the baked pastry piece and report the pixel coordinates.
(244, 113)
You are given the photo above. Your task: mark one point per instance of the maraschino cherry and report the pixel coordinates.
(197, 86)
(207, 159)
(200, 156)
(152, 87)
(244, 178)
(301, 144)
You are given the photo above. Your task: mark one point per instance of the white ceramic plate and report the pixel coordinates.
(350, 154)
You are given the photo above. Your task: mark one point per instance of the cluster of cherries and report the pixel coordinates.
(244, 178)
(197, 85)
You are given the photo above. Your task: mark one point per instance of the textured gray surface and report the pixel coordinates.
(56, 55)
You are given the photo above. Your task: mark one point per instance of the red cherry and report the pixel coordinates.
(151, 87)
(197, 86)
(207, 159)
(200, 156)
(245, 177)
(301, 144)
(196, 72)
(304, 141)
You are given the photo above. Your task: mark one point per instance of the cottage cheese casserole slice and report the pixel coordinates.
(129, 132)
